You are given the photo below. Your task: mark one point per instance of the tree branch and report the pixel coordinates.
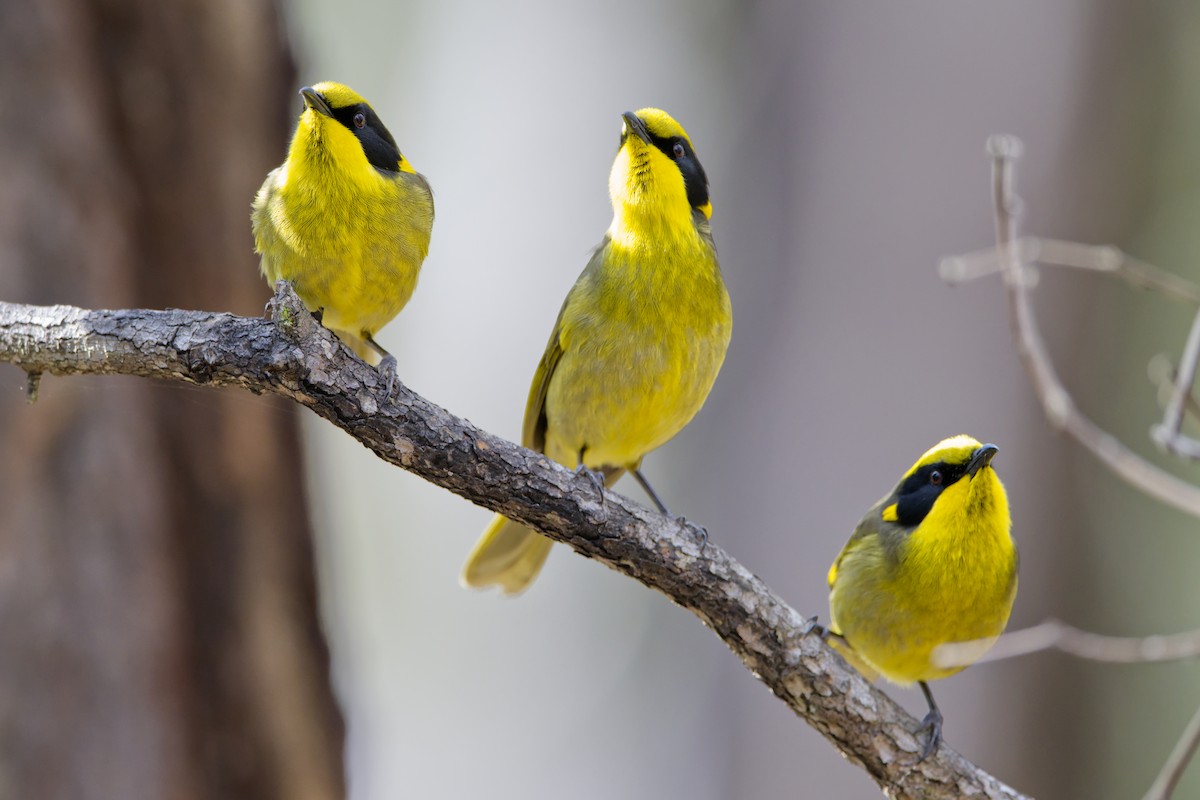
(293, 356)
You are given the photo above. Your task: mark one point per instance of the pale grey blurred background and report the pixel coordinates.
(845, 147)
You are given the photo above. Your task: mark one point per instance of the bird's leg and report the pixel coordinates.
(932, 723)
(387, 366)
(662, 507)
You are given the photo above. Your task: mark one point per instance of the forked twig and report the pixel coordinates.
(1168, 433)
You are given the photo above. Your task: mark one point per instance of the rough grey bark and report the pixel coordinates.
(159, 635)
(297, 358)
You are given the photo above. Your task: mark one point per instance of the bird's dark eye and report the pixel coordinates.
(935, 478)
(360, 119)
(678, 150)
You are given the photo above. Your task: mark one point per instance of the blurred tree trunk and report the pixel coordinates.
(159, 635)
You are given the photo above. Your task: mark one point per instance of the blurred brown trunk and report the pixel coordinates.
(158, 623)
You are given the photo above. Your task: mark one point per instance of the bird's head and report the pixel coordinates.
(656, 173)
(954, 484)
(340, 127)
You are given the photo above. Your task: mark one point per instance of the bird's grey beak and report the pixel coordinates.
(316, 101)
(981, 458)
(634, 124)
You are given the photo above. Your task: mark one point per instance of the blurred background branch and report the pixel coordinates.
(1013, 257)
(1055, 634)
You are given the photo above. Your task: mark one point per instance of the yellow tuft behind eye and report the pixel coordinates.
(889, 514)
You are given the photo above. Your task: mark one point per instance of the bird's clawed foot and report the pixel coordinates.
(387, 371)
(387, 364)
(595, 477)
(683, 523)
(820, 630)
(932, 726)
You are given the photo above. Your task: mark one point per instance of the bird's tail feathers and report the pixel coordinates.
(508, 555)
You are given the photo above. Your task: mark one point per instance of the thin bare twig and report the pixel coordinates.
(1054, 634)
(1058, 253)
(1057, 403)
(1168, 778)
(1165, 378)
(1169, 432)
(295, 357)
(1109, 260)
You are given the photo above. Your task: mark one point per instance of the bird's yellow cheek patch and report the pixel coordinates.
(889, 514)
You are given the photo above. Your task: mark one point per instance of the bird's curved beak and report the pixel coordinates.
(635, 125)
(316, 101)
(981, 458)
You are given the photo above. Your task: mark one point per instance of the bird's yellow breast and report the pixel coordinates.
(643, 333)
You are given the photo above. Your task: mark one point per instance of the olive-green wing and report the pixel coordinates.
(533, 433)
(870, 525)
(837, 562)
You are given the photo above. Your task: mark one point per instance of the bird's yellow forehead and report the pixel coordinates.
(338, 95)
(661, 124)
(955, 450)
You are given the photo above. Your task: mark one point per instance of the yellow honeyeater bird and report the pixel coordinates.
(932, 563)
(638, 342)
(345, 218)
